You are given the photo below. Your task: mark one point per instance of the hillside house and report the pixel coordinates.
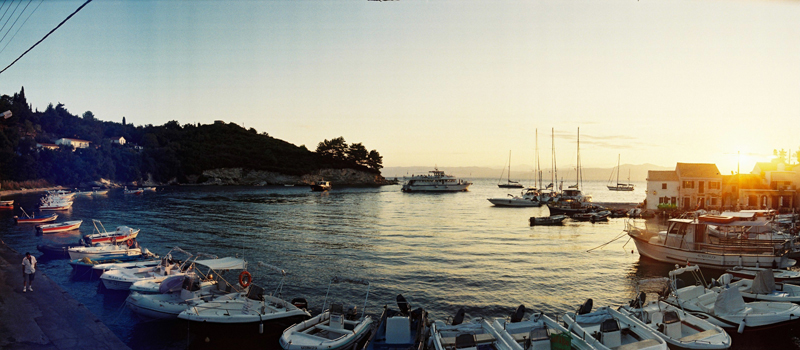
(662, 188)
(75, 143)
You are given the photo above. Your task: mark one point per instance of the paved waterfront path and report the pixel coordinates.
(48, 317)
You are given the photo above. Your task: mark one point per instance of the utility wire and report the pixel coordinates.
(46, 35)
(20, 27)
(11, 15)
(15, 21)
(4, 13)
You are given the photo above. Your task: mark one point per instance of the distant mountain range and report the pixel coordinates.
(638, 173)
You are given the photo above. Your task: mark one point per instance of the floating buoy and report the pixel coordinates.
(260, 328)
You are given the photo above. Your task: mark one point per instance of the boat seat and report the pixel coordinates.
(465, 341)
(700, 335)
(639, 345)
(610, 333)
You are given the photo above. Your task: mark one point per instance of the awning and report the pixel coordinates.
(229, 263)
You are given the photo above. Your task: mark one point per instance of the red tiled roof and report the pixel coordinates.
(662, 175)
(697, 170)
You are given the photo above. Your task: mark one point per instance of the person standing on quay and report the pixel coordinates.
(28, 272)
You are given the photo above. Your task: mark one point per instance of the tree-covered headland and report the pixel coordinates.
(168, 153)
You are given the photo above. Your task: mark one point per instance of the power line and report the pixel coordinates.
(15, 21)
(20, 27)
(9, 17)
(46, 35)
(4, 13)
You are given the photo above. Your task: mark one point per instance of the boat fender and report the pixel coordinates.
(260, 325)
(245, 279)
(741, 326)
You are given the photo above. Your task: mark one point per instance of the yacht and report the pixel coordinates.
(437, 181)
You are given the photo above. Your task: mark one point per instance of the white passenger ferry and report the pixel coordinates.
(437, 181)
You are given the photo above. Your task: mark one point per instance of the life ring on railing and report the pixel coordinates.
(130, 243)
(245, 276)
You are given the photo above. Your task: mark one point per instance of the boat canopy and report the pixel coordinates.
(684, 269)
(229, 263)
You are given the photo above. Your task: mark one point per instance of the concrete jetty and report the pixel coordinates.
(48, 317)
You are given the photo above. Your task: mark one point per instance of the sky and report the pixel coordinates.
(447, 83)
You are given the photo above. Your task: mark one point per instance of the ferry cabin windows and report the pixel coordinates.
(687, 184)
(664, 186)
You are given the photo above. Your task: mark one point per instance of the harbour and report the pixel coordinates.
(441, 251)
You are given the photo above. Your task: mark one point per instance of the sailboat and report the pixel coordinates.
(621, 187)
(509, 183)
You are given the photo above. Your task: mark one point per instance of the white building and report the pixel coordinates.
(118, 140)
(662, 187)
(75, 143)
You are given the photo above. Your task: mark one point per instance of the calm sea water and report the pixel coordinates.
(441, 251)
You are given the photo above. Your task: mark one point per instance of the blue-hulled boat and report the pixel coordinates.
(82, 268)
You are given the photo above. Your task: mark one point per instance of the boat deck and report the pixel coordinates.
(47, 318)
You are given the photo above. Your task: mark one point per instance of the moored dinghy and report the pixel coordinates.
(780, 275)
(726, 307)
(607, 328)
(59, 227)
(536, 332)
(680, 329)
(123, 279)
(477, 333)
(399, 329)
(333, 329)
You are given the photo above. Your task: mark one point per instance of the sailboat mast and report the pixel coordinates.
(509, 166)
(554, 173)
(578, 175)
(618, 169)
(538, 174)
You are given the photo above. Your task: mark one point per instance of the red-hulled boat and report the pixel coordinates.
(35, 219)
(121, 234)
(59, 227)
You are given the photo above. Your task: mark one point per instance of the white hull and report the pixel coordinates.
(514, 202)
(236, 308)
(307, 336)
(82, 252)
(642, 338)
(691, 333)
(711, 259)
(436, 188)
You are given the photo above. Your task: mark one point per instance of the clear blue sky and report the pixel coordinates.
(453, 83)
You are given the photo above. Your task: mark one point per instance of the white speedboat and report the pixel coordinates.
(762, 288)
(690, 240)
(607, 328)
(124, 278)
(177, 293)
(726, 307)
(528, 198)
(476, 334)
(536, 332)
(680, 329)
(100, 251)
(245, 311)
(333, 329)
(437, 181)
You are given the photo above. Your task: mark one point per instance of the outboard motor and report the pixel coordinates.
(300, 303)
(638, 302)
(518, 315)
(586, 307)
(352, 313)
(402, 304)
(459, 317)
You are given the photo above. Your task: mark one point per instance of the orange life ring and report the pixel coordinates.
(242, 277)
(130, 243)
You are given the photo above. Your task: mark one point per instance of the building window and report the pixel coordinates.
(673, 200)
(688, 184)
(663, 186)
(713, 201)
(713, 185)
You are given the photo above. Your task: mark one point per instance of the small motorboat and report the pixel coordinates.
(680, 329)
(103, 251)
(547, 220)
(55, 204)
(176, 293)
(120, 235)
(151, 189)
(761, 288)
(7, 205)
(593, 217)
(122, 279)
(780, 275)
(133, 192)
(59, 227)
(401, 329)
(88, 268)
(34, 219)
(321, 186)
(99, 192)
(537, 332)
(57, 250)
(529, 198)
(607, 328)
(248, 310)
(333, 329)
(476, 334)
(725, 307)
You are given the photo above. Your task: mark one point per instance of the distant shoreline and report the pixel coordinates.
(27, 190)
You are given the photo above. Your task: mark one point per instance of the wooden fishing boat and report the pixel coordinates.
(100, 235)
(59, 227)
(547, 220)
(35, 219)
